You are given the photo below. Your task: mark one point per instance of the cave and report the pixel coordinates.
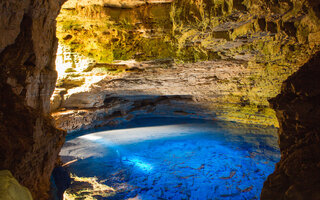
(75, 75)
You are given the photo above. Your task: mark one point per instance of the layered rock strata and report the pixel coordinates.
(261, 46)
(30, 143)
(159, 87)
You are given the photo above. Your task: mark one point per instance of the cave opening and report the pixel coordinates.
(147, 91)
(227, 58)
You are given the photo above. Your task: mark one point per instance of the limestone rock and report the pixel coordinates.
(264, 42)
(10, 189)
(297, 175)
(111, 3)
(29, 143)
(56, 99)
(84, 100)
(120, 108)
(11, 15)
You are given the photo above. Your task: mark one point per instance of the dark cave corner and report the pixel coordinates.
(297, 175)
(31, 143)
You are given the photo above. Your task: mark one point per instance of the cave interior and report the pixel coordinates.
(153, 91)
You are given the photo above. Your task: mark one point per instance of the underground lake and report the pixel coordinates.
(171, 158)
(171, 99)
(159, 100)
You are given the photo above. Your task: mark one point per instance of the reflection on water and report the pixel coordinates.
(167, 158)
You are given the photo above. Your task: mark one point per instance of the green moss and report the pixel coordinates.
(245, 28)
(69, 70)
(70, 82)
(184, 31)
(247, 114)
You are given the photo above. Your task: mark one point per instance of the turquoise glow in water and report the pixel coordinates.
(167, 158)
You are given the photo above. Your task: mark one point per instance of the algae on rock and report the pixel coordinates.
(271, 39)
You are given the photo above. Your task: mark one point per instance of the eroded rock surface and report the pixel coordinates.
(30, 143)
(231, 56)
(112, 3)
(159, 87)
(297, 175)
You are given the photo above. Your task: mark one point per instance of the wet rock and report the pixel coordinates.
(122, 108)
(62, 181)
(30, 143)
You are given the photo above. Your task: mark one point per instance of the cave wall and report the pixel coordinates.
(29, 143)
(271, 39)
(297, 175)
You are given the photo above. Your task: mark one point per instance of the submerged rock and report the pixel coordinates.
(289, 34)
(170, 158)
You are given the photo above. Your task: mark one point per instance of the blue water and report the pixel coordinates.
(168, 158)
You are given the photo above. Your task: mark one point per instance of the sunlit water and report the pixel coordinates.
(167, 158)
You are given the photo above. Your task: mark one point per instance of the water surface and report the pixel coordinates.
(169, 158)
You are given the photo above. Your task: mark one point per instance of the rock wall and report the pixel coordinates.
(270, 39)
(112, 3)
(10, 189)
(297, 175)
(29, 143)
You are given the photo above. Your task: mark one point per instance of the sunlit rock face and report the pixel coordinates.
(112, 3)
(10, 188)
(230, 56)
(297, 175)
(259, 44)
(290, 32)
(29, 142)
